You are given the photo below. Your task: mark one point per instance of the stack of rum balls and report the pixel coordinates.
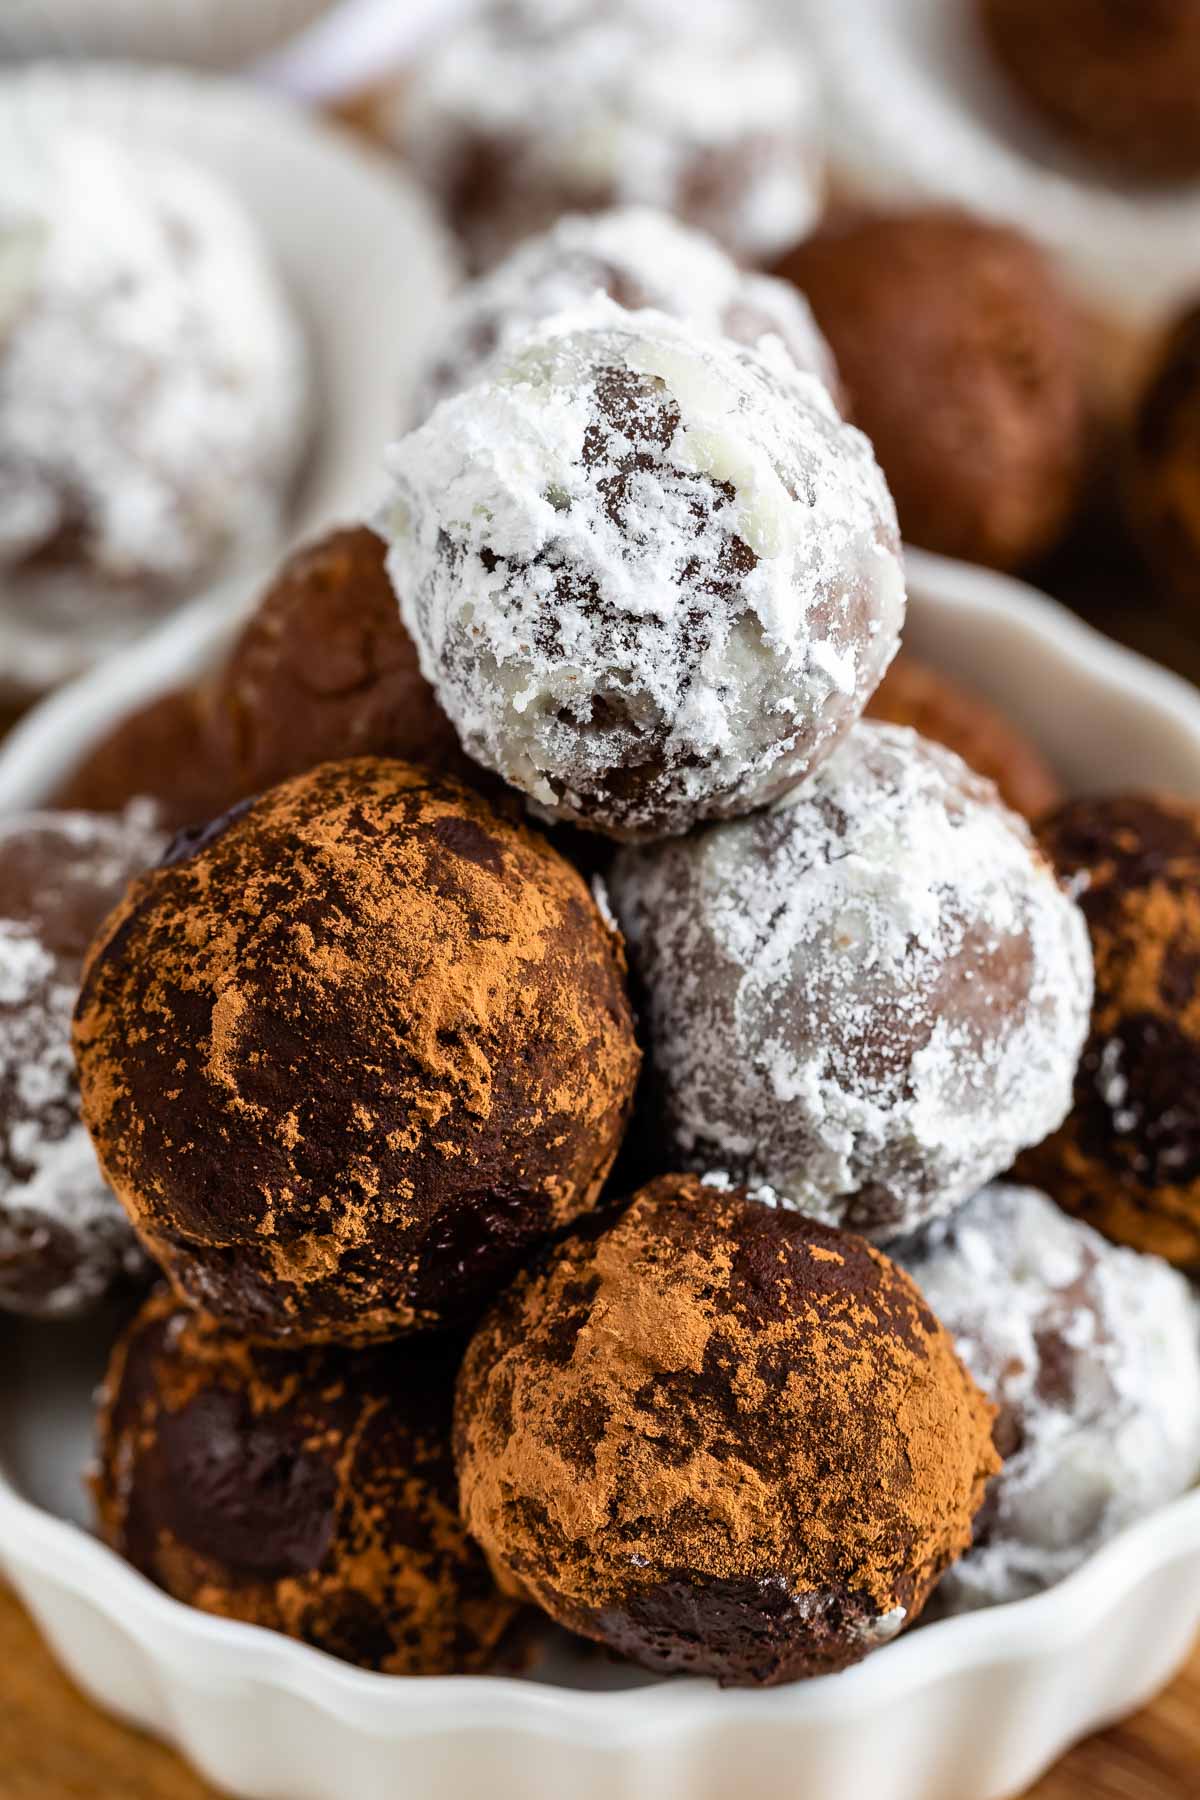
(550, 839)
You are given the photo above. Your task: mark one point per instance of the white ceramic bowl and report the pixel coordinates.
(971, 1708)
(917, 112)
(354, 239)
(207, 33)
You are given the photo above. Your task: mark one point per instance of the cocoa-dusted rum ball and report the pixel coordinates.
(935, 706)
(162, 754)
(1092, 1355)
(721, 1439)
(1163, 463)
(870, 996)
(323, 670)
(351, 1051)
(653, 576)
(1118, 78)
(64, 1240)
(534, 108)
(961, 358)
(311, 1491)
(1127, 1158)
(640, 258)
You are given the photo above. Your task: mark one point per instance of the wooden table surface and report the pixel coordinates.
(55, 1746)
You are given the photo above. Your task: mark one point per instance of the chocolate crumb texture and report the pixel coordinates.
(1127, 1158)
(720, 1438)
(310, 1492)
(347, 1057)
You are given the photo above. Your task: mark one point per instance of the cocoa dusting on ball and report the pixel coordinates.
(720, 1439)
(323, 670)
(311, 1492)
(535, 108)
(961, 360)
(870, 996)
(348, 1054)
(642, 260)
(64, 1241)
(988, 741)
(1119, 78)
(163, 754)
(652, 577)
(1092, 1354)
(1127, 1158)
(1163, 463)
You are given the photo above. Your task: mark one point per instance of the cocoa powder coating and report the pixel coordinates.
(720, 1438)
(310, 1492)
(1128, 1157)
(349, 1053)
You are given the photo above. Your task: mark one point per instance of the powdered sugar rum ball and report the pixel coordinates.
(539, 107)
(652, 577)
(871, 996)
(63, 1237)
(154, 390)
(641, 259)
(1092, 1354)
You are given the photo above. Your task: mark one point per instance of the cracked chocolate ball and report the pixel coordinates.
(961, 359)
(1127, 1159)
(352, 1051)
(720, 1439)
(311, 1492)
(64, 1240)
(1118, 78)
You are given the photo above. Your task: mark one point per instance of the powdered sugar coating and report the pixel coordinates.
(63, 1236)
(1092, 1354)
(641, 259)
(154, 395)
(870, 997)
(652, 577)
(534, 108)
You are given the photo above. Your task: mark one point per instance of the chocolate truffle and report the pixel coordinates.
(1128, 1157)
(961, 360)
(308, 1491)
(720, 1439)
(641, 259)
(64, 1240)
(534, 108)
(162, 754)
(353, 1050)
(869, 997)
(988, 741)
(154, 395)
(1163, 463)
(323, 670)
(1092, 1355)
(653, 577)
(1118, 78)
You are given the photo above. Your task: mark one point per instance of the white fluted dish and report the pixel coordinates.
(971, 1708)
